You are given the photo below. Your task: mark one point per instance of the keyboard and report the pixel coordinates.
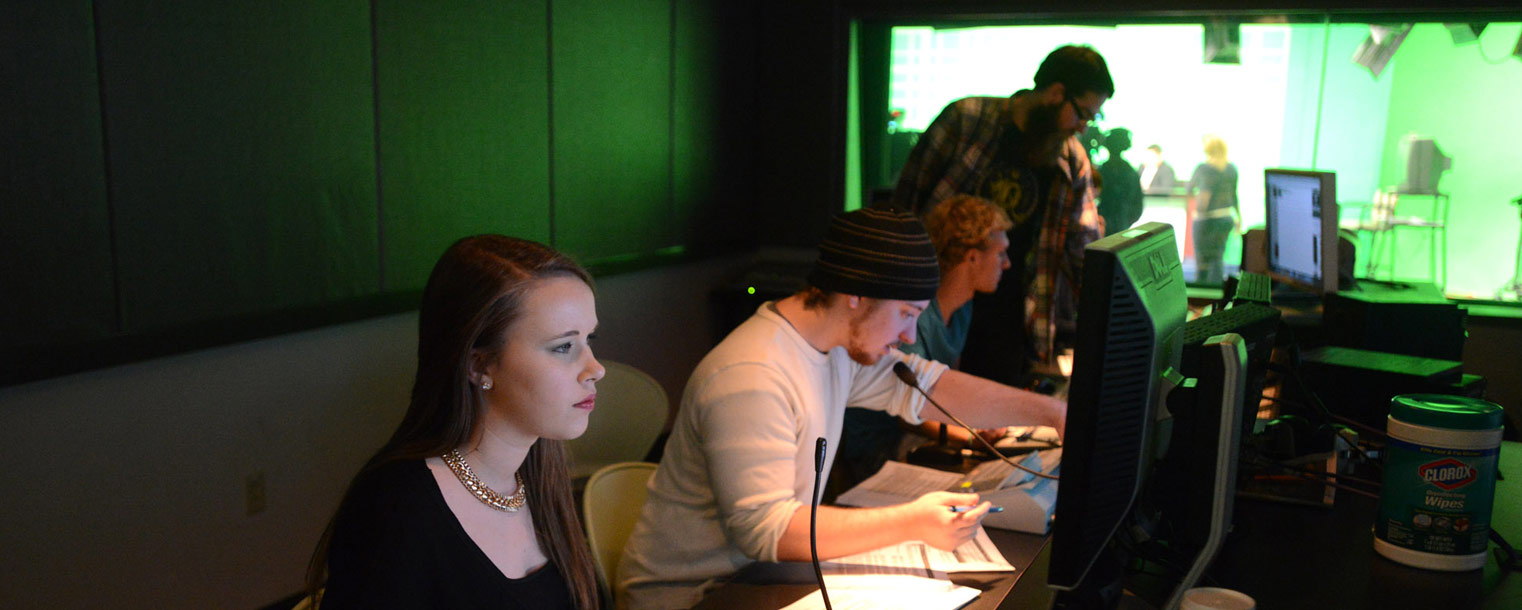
(1253, 288)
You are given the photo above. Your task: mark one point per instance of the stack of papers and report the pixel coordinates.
(1027, 500)
(915, 558)
(903, 592)
(908, 575)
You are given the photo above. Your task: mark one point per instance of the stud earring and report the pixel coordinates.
(485, 383)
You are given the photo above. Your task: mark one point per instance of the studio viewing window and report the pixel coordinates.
(1419, 122)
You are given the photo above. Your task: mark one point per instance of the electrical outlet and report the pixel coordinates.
(253, 493)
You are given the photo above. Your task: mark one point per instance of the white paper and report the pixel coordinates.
(892, 592)
(898, 483)
(915, 558)
(1027, 500)
(995, 474)
(911, 575)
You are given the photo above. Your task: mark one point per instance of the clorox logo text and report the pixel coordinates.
(1448, 473)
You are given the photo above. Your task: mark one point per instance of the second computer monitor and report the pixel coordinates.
(1131, 313)
(1301, 207)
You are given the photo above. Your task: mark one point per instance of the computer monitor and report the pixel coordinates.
(1302, 234)
(1130, 349)
(1131, 313)
(1425, 164)
(1174, 491)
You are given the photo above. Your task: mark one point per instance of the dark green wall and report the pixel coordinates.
(56, 273)
(178, 173)
(240, 156)
(799, 126)
(463, 102)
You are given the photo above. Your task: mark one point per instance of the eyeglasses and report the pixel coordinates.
(1083, 114)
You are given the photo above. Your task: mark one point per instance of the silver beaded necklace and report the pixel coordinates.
(486, 495)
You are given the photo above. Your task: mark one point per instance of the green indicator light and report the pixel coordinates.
(750, 290)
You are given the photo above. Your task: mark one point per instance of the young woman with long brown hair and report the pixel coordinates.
(469, 504)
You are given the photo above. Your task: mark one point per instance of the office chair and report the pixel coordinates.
(611, 505)
(631, 410)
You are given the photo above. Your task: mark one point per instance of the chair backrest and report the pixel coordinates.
(611, 506)
(308, 603)
(631, 409)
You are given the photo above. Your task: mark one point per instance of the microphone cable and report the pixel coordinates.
(907, 376)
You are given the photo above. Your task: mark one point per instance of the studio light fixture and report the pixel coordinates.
(1379, 47)
(1465, 33)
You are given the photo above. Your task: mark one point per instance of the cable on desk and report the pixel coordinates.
(1260, 460)
(1145, 539)
(1305, 474)
(1295, 364)
(1329, 479)
(1294, 371)
(1351, 423)
(1335, 419)
(1143, 552)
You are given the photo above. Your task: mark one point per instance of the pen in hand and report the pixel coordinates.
(963, 509)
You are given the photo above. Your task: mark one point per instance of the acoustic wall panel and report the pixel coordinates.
(464, 127)
(183, 174)
(797, 131)
(610, 68)
(241, 147)
(55, 271)
(712, 106)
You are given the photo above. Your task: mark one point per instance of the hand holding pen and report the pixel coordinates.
(963, 509)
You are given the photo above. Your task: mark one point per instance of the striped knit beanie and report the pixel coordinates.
(879, 254)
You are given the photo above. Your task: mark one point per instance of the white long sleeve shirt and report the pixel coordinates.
(740, 460)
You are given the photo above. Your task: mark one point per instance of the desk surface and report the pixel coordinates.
(1284, 556)
(1306, 557)
(768, 586)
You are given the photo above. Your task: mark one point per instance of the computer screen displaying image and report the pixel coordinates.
(1301, 209)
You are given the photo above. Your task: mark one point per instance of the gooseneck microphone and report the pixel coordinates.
(814, 519)
(907, 376)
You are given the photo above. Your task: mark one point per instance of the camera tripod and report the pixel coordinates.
(1514, 288)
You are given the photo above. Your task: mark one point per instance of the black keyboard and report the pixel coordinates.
(1252, 288)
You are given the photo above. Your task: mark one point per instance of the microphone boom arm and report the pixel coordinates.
(907, 376)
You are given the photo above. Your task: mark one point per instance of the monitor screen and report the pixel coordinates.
(1131, 312)
(1301, 207)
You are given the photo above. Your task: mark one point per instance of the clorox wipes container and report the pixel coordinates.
(1440, 481)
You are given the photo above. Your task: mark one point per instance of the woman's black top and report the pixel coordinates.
(397, 545)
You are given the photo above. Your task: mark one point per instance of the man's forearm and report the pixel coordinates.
(981, 403)
(844, 531)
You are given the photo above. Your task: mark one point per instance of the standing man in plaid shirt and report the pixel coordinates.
(1021, 152)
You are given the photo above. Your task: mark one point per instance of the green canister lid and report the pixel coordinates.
(1446, 411)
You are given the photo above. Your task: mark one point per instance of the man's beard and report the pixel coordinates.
(1041, 141)
(854, 347)
(862, 356)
